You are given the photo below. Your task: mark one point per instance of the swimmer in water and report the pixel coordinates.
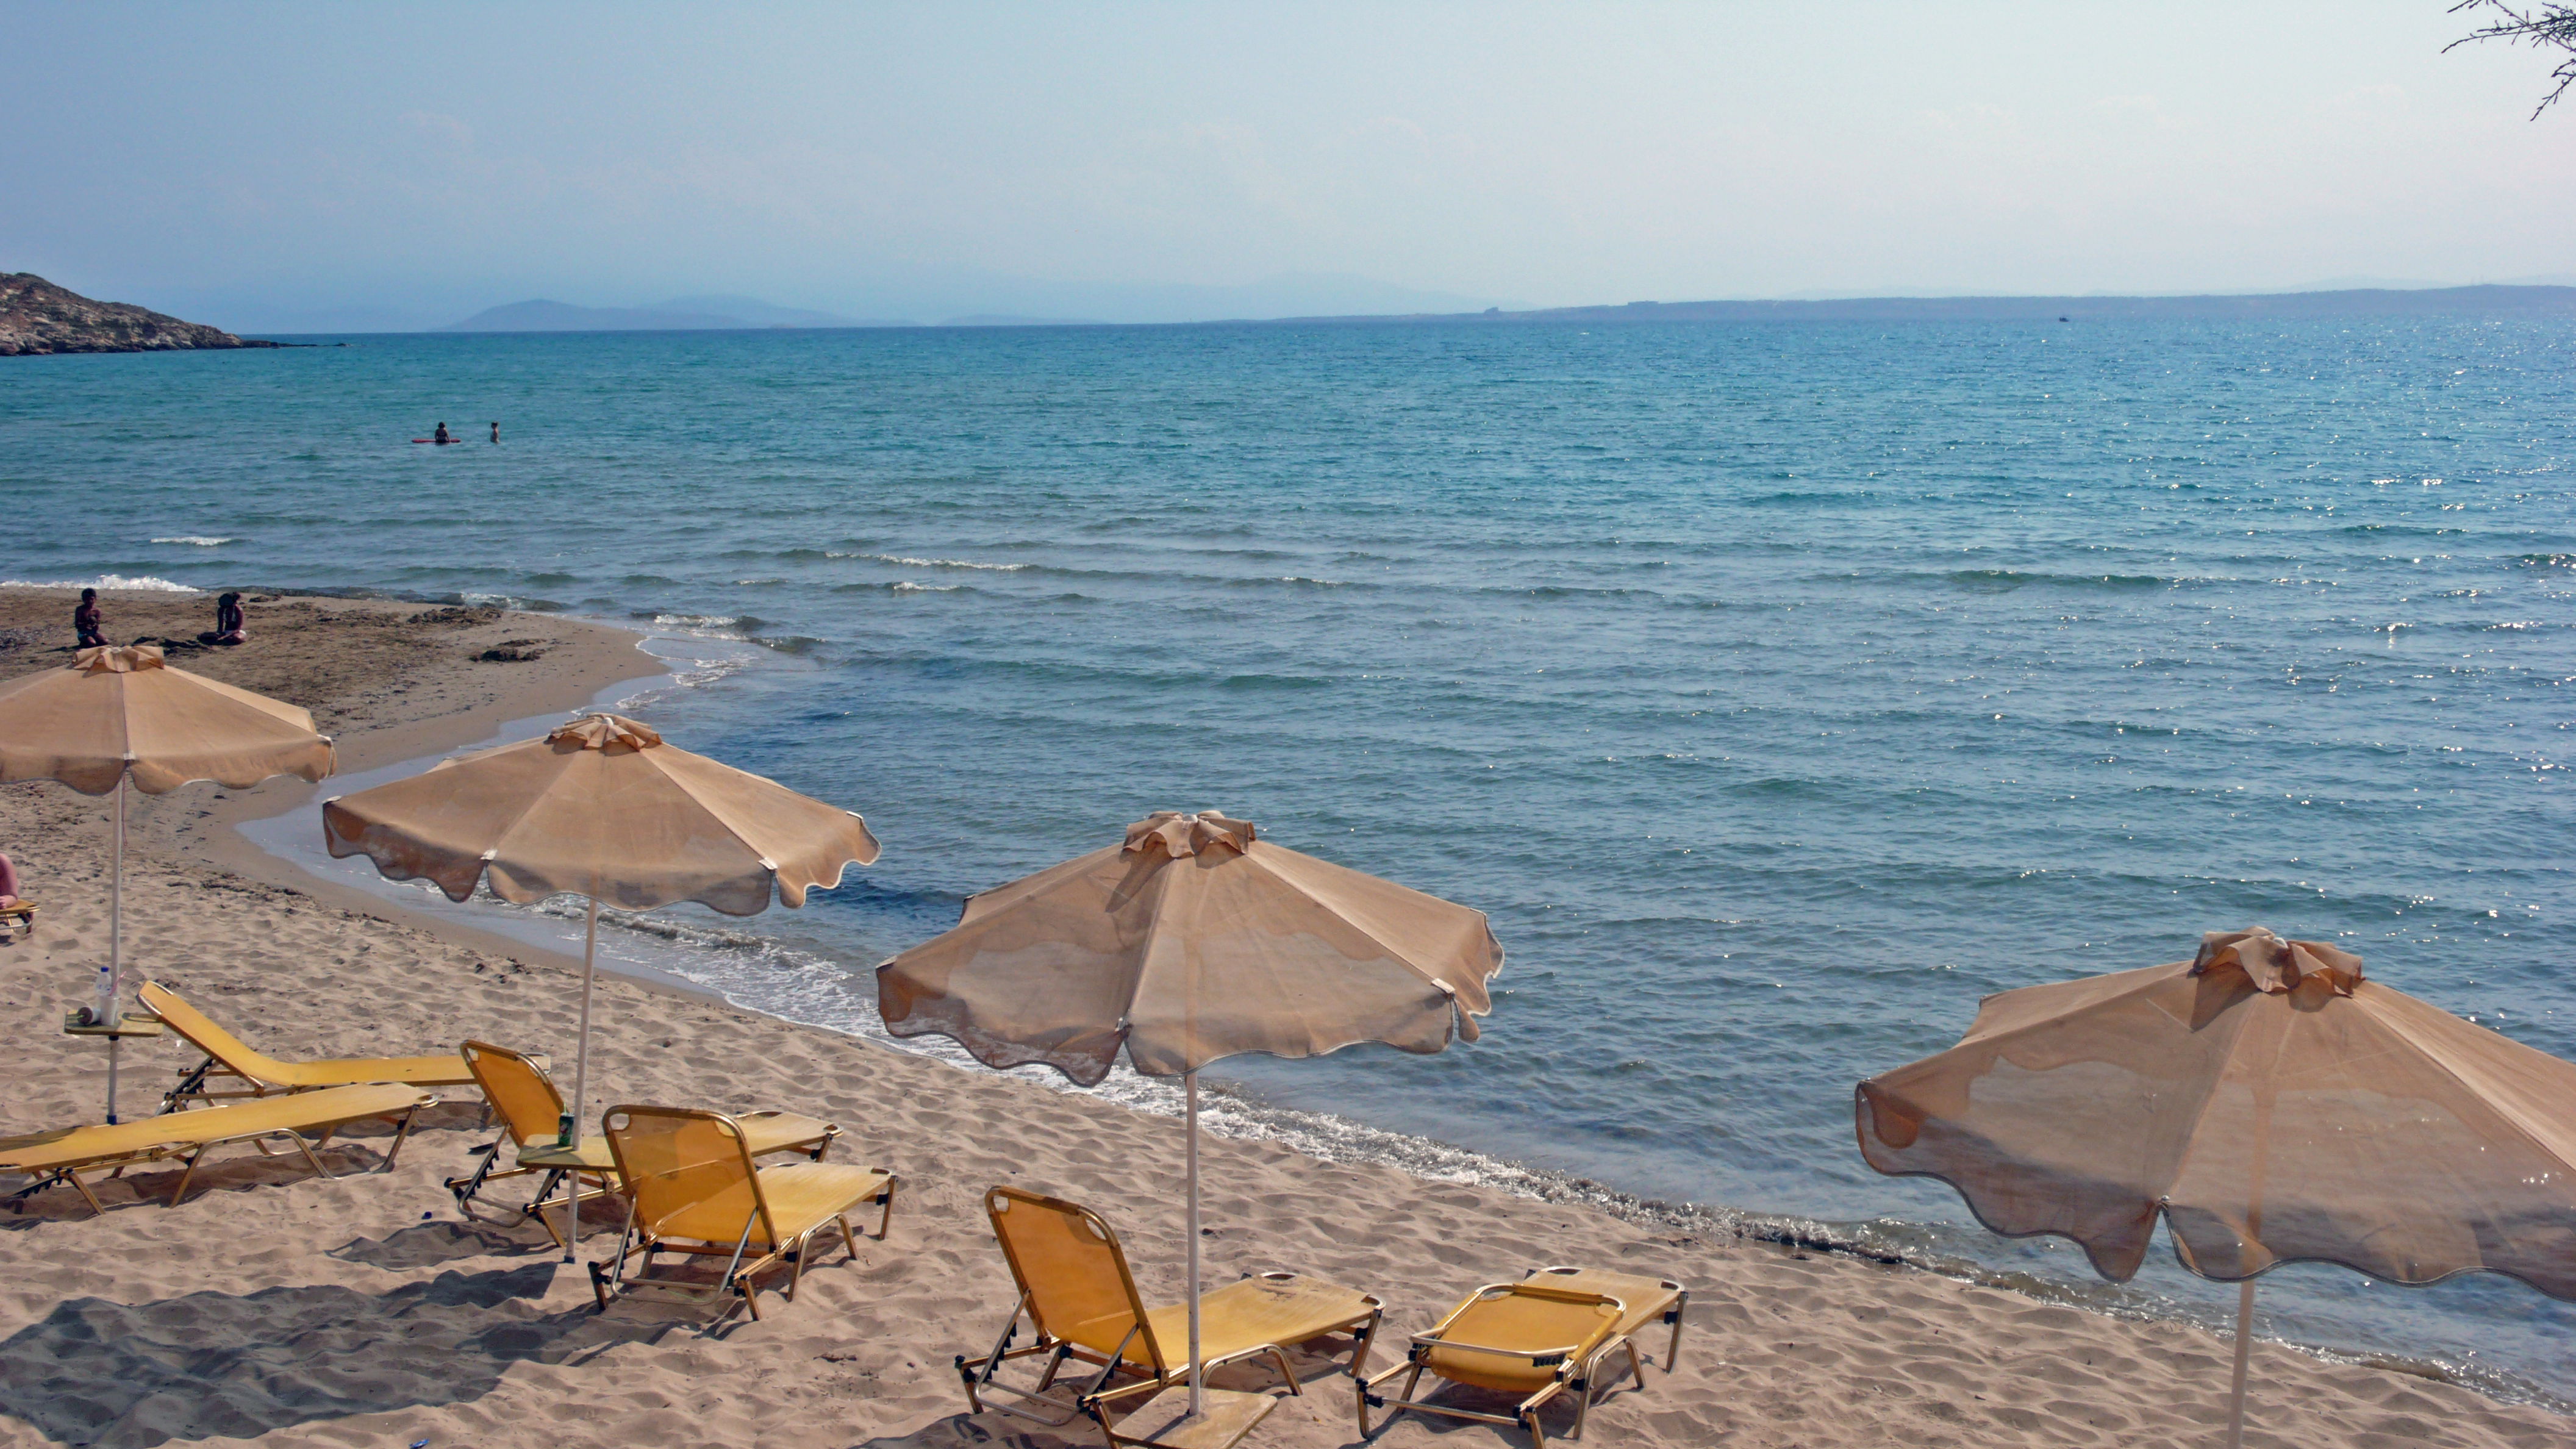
(496, 432)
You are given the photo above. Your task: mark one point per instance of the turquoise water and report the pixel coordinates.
(1779, 690)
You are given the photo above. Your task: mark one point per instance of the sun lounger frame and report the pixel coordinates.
(193, 1090)
(465, 1189)
(589, 1184)
(1577, 1365)
(1097, 1398)
(609, 1280)
(192, 1146)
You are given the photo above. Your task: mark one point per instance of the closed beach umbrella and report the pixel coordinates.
(600, 808)
(2264, 1100)
(1191, 941)
(120, 714)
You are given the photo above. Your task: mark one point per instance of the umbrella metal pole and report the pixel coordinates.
(1190, 1154)
(2244, 1346)
(570, 1131)
(110, 981)
(2245, 1290)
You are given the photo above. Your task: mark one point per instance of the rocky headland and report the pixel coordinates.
(37, 317)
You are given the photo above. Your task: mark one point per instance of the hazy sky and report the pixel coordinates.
(265, 165)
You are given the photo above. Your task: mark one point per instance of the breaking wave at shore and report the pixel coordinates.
(144, 584)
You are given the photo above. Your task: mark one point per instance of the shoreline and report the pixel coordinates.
(605, 657)
(1786, 1344)
(1237, 1110)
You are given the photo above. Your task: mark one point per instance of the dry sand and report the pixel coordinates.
(276, 1307)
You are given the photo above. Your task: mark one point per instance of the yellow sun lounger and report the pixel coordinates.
(1078, 1294)
(265, 1076)
(531, 1110)
(692, 1189)
(62, 1156)
(1544, 1336)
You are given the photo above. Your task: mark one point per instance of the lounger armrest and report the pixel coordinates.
(1542, 1357)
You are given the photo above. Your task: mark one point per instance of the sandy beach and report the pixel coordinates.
(273, 1307)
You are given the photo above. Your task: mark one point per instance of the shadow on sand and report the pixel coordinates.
(208, 1364)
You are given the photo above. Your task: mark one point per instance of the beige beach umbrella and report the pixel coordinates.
(117, 715)
(1191, 941)
(2264, 1100)
(600, 808)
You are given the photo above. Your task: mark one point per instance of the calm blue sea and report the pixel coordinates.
(1779, 690)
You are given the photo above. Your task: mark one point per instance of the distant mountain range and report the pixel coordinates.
(683, 314)
(748, 313)
(2545, 301)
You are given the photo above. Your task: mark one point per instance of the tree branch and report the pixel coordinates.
(2552, 25)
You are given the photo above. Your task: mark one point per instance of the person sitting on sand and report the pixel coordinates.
(228, 623)
(8, 884)
(441, 435)
(86, 623)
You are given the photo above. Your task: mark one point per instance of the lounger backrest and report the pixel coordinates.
(209, 1038)
(689, 1175)
(530, 1107)
(1073, 1274)
(1511, 1337)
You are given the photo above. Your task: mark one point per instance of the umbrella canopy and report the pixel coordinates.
(1193, 940)
(601, 808)
(2268, 1102)
(117, 713)
(1190, 941)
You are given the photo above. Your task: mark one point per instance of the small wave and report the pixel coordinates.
(945, 563)
(1797, 497)
(684, 674)
(2548, 560)
(144, 584)
(2400, 530)
(696, 621)
(907, 586)
(197, 540)
(2014, 579)
(1579, 591)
